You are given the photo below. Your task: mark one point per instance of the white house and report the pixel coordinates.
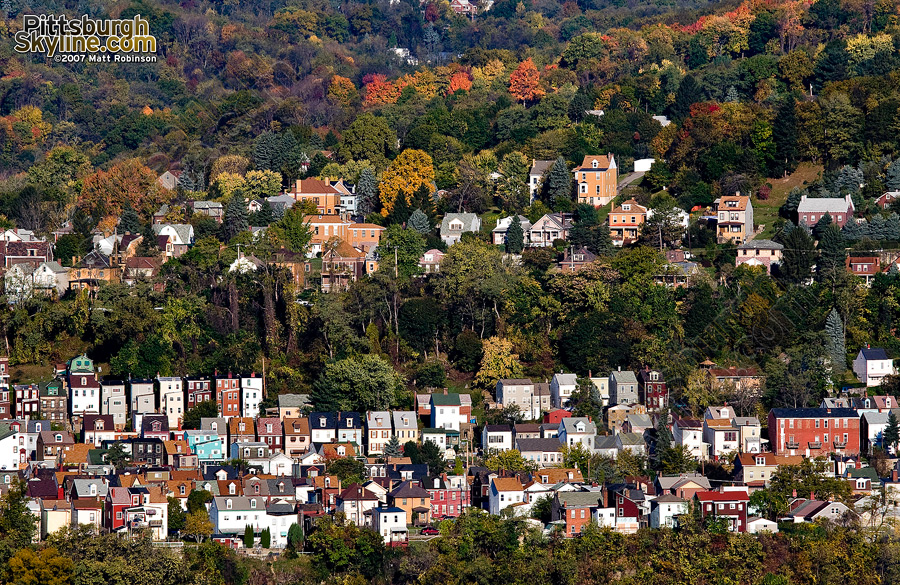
(520, 392)
(251, 395)
(721, 435)
(390, 523)
(688, 432)
(454, 225)
(11, 452)
(280, 515)
(872, 365)
(114, 401)
(664, 510)
(232, 514)
(505, 492)
(378, 431)
(755, 525)
(445, 411)
(495, 438)
(561, 388)
(171, 398)
(577, 429)
(536, 174)
(498, 234)
(323, 427)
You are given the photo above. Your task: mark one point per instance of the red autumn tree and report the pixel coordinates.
(459, 80)
(524, 83)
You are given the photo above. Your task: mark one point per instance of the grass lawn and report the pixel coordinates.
(766, 212)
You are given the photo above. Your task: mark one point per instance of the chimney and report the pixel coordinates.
(894, 475)
(794, 493)
(812, 495)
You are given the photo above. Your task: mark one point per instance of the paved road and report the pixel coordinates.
(628, 180)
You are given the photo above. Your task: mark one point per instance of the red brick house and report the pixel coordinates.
(731, 506)
(814, 431)
(198, 389)
(555, 417)
(449, 497)
(652, 389)
(576, 509)
(270, 432)
(228, 395)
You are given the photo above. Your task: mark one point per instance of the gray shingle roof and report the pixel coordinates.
(468, 220)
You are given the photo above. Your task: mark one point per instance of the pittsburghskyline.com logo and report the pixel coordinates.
(85, 39)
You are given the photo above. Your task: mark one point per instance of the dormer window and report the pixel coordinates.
(228, 504)
(241, 427)
(59, 438)
(213, 426)
(349, 423)
(253, 502)
(231, 489)
(268, 427)
(594, 164)
(322, 422)
(83, 381)
(181, 489)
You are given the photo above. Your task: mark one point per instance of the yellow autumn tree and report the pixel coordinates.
(406, 174)
(342, 90)
(497, 363)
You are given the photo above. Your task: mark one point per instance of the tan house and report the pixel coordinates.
(364, 236)
(322, 193)
(625, 222)
(341, 265)
(415, 500)
(92, 272)
(755, 470)
(759, 253)
(735, 219)
(596, 179)
(324, 228)
(296, 437)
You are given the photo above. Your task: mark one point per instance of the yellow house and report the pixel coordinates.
(596, 179)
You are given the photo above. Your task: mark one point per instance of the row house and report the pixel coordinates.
(814, 431)
(198, 389)
(241, 430)
(27, 400)
(142, 396)
(378, 431)
(292, 405)
(296, 437)
(171, 399)
(755, 470)
(54, 401)
(562, 385)
(406, 426)
(6, 403)
(623, 388)
(532, 399)
(4, 371)
(113, 402)
(97, 428)
(252, 394)
(269, 430)
(652, 390)
(450, 495)
(228, 395)
(729, 506)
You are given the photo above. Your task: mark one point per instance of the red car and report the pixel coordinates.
(430, 531)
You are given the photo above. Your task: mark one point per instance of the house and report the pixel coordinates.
(26, 251)
(211, 209)
(406, 426)
(814, 431)
(177, 238)
(450, 495)
(688, 432)
(178, 455)
(865, 267)
(561, 388)
(665, 510)
(577, 429)
(730, 506)
(887, 198)
(12, 454)
(269, 431)
(251, 395)
(414, 500)
(390, 523)
(811, 209)
(324, 194)
(750, 431)
(52, 444)
(683, 485)
(498, 234)
(519, 392)
(140, 269)
(625, 222)
(872, 364)
(536, 174)
(596, 180)
(757, 525)
(454, 225)
(232, 514)
(378, 431)
(652, 391)
(291, 405)
(637, 423)
(228, 395)
(97, 428)
(364, 236)
(323, 427)
(574, 260)
(297, 438)
(548, 229)
(734, 219)
(356, 502)
(623, 388)
(736, 381)
(812, 510)
(505, 492)
(721, 435)
(4, 371)
(93, 271)
(575, 510)
(871, 427)
(169, 180)
(113, 401)
(430, 262)
(326, 228)
(171, 399)
(445, 411)
(542, 452)
(342, 264)
(54, 401)
(349, 428)
(84, 392)
(23, 280)
(759, 253)
(207, 445)
(633, 442)
(496, 438)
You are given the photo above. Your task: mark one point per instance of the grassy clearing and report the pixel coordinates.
(766, 212)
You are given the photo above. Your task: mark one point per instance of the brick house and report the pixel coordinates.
(814, 431)
(596, 179)
(652, 389)
(730, 506)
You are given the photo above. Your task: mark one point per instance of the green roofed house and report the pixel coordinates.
(443, 438)
(81, 365)
(446, 411)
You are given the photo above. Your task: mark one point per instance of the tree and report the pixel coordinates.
(419, 222)
(198, 526)
(368, 138)
(509, 460)
(513, 187)
(408, 172)
(433, 456)
(197, 500)
(45, 567)
(524, 82)
(542, 509)
(104, 193)
(235, 221)
(515, 236)
(392, 448)
(798, 256)
(116, 456)
(129, 222)
(832, 254)
(17, 526)
(229, 163)
(497, 363)
(834, 332)
(347, 469)
(689, 92)
(249, 536)
(204, 409)
(366, 191)
(293, 231)
(265, 538)
(556, 186)
(892, 176)
(677, 459)
(177, 515)
(362, 383)
(295, 537)
(784, 133)
(891, 435)
(404, 246)
(663, 227)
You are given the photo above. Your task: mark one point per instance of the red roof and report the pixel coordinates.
(723, 496)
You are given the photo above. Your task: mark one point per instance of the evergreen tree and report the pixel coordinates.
(401, 212)
(822, 225)
(392, 448)
(248, 536)
(264, 216)
(832, 253)
(663, 440)
(799, 255)
(834, 334)
(295, 537)
(603, 244)
(891, 435)
(689, 92)
(419, 222)
(515, 236)
(892, 176)
(849, 180)
(852, 231)
(266, 152)
(732, 95)
(129, 222)
(557, 185)
(366, 192)
(235, 220)
(265, 538)
(784, 133)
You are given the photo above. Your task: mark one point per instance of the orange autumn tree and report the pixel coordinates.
(380, 91)
(524, 82)
(459, 81)
(105, 192)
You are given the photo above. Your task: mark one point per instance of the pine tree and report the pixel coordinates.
(515, 236)
(784, 133)
(891, 435)
(265, 152)
(392, 448)
(798, 256)
(557, 185)
(689, 92)
(295, 536)
(834, 332)
(732, 95)
(400, 213)
(663, 440)
(848, 180)
(248, 536)
(235, 220)
(419, 222)
(366, 192)
(265, 538)
(129, 222)
(603, 244)
(852, 231)
(822, 225)
(892, 178)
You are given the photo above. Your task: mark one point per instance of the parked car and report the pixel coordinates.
(430, 531)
